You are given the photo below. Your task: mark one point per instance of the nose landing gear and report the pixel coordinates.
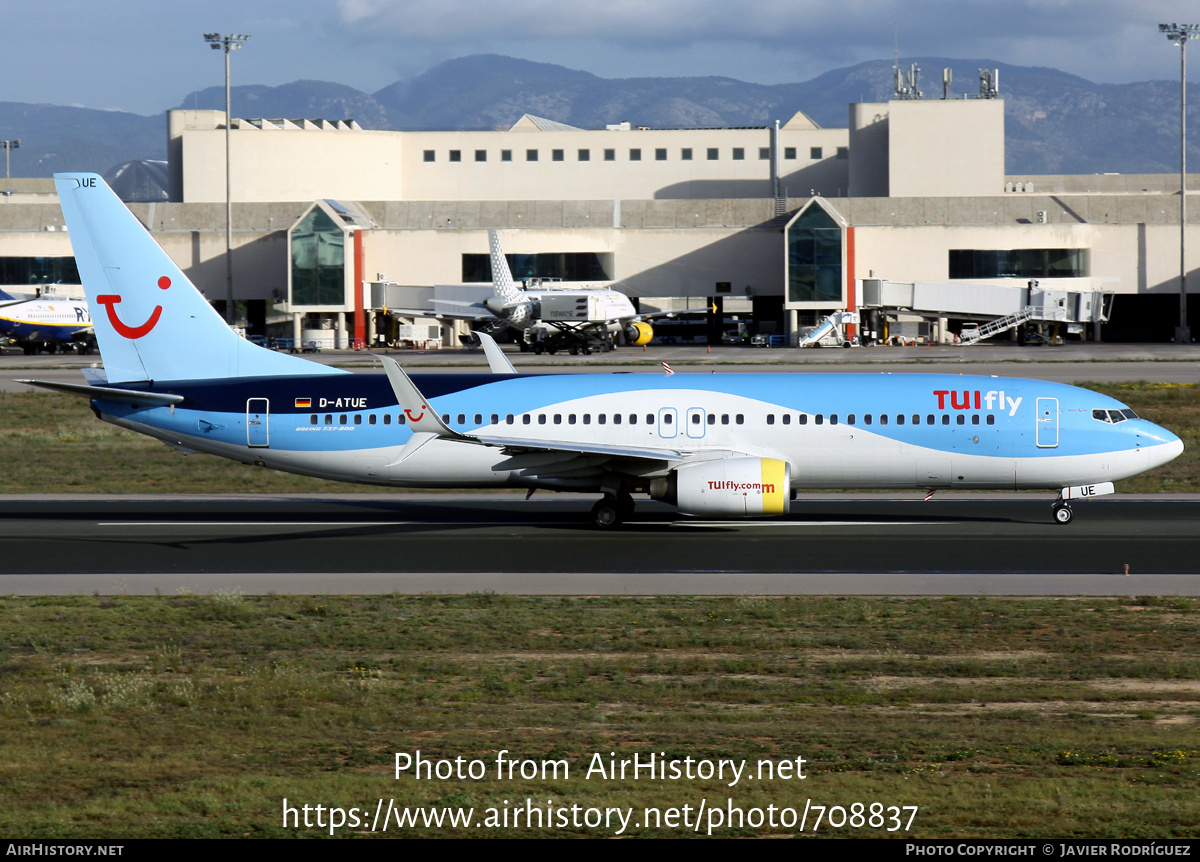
(1062, 512)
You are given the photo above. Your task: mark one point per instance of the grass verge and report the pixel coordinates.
(198, 715)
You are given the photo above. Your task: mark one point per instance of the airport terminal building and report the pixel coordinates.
(906, 217)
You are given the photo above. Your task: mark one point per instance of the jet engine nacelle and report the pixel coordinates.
(729, 488)
(638, 333)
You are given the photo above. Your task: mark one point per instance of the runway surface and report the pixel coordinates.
(455, 543)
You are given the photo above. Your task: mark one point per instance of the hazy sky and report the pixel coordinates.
(146, 55)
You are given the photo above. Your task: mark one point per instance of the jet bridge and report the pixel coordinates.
(997, 307)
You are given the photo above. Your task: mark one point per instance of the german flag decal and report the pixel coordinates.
(304, 402)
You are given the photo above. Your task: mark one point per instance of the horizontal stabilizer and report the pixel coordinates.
(128, 396)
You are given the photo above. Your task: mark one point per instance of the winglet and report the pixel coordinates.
(497, 361)
(421, 417)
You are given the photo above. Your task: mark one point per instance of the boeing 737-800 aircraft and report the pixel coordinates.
(717, 445)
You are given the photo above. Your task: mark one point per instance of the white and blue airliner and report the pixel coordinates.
(716, 445)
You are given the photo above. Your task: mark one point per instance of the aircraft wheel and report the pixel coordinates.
(551, 350)
(537, 348)
(587, 351)
(28, 349)
(1062, 513)
(606, 514)
(573, 350)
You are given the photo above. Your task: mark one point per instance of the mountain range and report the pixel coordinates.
(1055, 122)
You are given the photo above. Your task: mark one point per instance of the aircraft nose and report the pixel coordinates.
(1162, 445)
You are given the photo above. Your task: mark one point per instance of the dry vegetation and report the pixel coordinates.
(196, 716)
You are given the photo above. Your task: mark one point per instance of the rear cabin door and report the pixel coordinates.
(258, 419)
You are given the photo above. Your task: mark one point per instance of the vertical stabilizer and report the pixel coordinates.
(502, 280)
(150, 321)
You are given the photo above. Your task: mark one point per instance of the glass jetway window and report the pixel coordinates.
(815, 258)
(318, 261)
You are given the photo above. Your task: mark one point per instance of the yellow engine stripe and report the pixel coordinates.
(774, 478)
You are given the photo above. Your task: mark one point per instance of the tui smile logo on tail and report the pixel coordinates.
(109, 301)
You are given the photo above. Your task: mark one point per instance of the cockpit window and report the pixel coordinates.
(1113, 416)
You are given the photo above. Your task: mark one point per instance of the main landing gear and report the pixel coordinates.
(612, 511)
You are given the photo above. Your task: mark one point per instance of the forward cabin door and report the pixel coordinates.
(1047, 423)
(258, 423)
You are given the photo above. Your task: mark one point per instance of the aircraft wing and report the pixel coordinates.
(427, 426)
(514, 445)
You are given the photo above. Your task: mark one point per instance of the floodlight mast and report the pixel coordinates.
(232, 42)
(1181, 33)
(9, 146)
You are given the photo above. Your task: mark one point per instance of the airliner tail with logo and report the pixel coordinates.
(712, 445)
